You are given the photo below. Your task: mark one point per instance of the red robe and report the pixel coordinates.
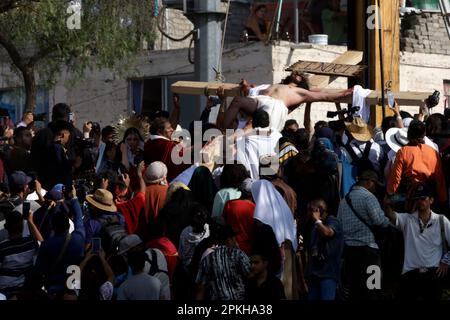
(161, 150)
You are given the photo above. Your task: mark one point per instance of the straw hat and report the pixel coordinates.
(359, 129)
(103, 200)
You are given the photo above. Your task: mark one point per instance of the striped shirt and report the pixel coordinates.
(16, 258)
(287, 151)
(223, 272)
(366, 204)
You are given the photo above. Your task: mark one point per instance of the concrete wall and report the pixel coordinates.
(424, 72)
(425, 33)
(177, 26)
(103, 97)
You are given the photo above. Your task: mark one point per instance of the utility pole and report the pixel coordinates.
(207, 17)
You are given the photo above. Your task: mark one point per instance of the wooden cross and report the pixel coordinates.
(323, 77)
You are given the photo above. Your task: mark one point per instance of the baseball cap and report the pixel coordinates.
(54, 195)
(422, 191)
(18, 179)
(129, 242)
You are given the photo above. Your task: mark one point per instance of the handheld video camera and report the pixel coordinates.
(433, 100)
(350, 112)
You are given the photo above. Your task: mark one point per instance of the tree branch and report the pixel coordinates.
(13, 52)
(8, 5)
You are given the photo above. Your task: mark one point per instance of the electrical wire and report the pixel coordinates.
(158, 24)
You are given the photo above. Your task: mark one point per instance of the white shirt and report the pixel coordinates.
(375, 152)
(422, 249)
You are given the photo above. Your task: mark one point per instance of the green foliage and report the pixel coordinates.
(111, 35)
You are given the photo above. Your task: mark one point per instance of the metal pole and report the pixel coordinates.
(207, 18)
(277, 24)
(296, 22)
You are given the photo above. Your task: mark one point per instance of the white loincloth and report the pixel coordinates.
(277, 110)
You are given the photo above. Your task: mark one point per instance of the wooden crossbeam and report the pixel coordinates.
(403, 98)
(204, 88)
(325, 68)
(232, 90)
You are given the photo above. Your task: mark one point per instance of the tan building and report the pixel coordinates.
(103, 96)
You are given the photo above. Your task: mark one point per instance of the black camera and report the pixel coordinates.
(350, 112)
(433, 100)
(83, 187)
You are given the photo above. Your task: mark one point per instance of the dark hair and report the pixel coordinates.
(289, 123)
(18, 132)
(387, 123)
(265, 243)
(175, 213)
(233, 175)
(136, 261)
(132, 130)
(447, 114)
(118, 264)
(259, 7)
(299, 138)
(106, 131)
(112, 178)
(320, 124)
(14, 222)
(59, 126)
(158, 125)
(304, 84)
(159, 114)
(198, 216)
(416, 132)
(434, 124)
(60, 222)
(60, 111)
(261, 119)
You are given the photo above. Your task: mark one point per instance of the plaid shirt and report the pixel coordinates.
(366, 204)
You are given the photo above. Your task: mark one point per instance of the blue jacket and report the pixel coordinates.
(55, 275)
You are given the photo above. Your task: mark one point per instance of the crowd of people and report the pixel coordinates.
(318, 212)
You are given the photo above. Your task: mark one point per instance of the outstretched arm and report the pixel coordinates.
(320, 96)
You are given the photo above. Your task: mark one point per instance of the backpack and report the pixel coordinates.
(112, 232)
(154, 268)
(325, 161)
(361, 163)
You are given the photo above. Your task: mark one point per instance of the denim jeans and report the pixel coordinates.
(321, 288)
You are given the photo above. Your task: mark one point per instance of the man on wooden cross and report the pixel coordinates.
(278, 101)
